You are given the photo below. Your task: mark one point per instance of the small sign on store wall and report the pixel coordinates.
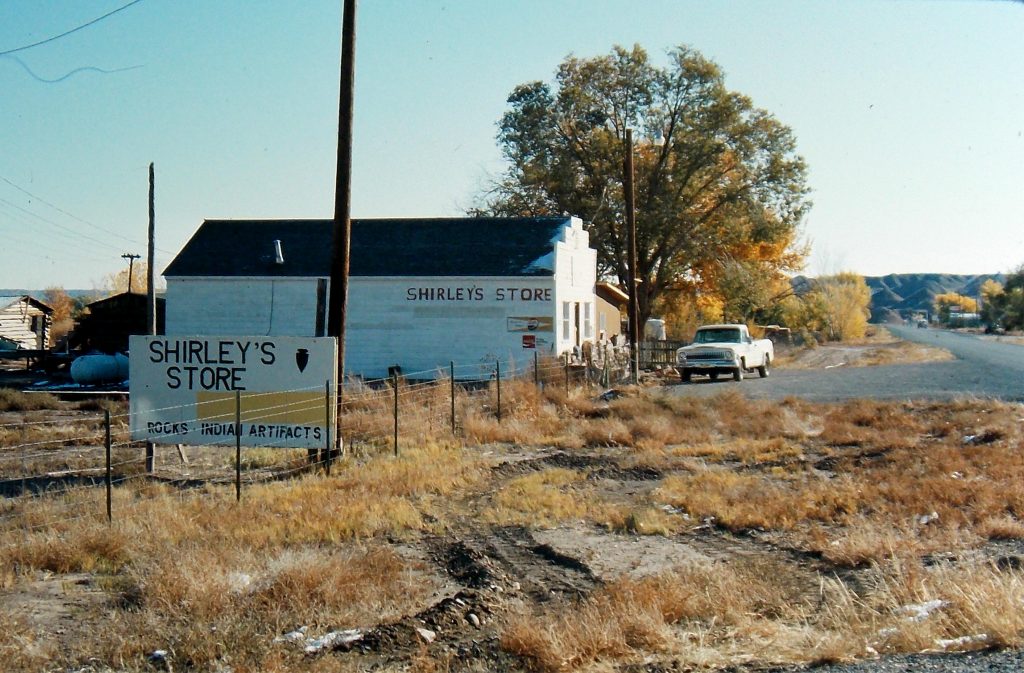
(530, 324)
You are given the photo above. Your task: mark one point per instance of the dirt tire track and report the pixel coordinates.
(595, 467)
(539, 571)
(499, 570)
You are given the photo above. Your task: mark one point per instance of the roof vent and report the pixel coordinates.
(278, 255)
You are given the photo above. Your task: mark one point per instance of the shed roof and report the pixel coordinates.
(438, 247)
(613, 294)
(6, 301)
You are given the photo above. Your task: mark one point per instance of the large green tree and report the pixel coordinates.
(718, 182)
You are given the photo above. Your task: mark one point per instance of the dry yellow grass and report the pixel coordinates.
(867, 487)
(543, 499)
(710, 605)
(216, 581)
(704, 615)
(231, 609)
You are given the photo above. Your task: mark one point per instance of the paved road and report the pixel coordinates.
(983, 368)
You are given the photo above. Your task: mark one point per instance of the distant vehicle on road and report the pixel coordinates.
(724, 349)
(922, 324)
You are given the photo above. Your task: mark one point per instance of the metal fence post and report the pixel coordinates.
(451, 369)
(566, 374)
(327, 426)
(497, 381)
(109, 480)
(238, 446)
(394, 382)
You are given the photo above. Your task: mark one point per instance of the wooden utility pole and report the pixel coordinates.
(131, 266)
(151, 257)
(634, 313)
(150, 292)
(341, 240)
(342, 229)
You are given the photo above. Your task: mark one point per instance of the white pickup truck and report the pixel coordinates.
(724, 349)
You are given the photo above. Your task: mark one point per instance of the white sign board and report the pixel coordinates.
(187, 390)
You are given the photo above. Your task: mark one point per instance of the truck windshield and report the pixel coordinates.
(717, 336)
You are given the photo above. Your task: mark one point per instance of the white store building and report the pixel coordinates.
(422, 292)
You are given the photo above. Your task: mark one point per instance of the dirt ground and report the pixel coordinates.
(880, 348)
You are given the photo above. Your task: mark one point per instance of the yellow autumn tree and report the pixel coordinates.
(847, 298)
(63, 312)
(948, 303)
(836, 308)
(118, 282)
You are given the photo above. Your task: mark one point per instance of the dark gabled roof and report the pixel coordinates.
(475, 247)
(122, 301)
(13, 299)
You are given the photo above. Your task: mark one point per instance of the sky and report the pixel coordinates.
(909, 113)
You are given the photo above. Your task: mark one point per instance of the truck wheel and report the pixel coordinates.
(737, 374)
(685, 375)
(762, 371)
(713, 376)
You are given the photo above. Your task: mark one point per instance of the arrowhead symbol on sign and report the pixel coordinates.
(301, 359)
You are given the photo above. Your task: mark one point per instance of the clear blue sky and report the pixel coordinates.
(910, 114)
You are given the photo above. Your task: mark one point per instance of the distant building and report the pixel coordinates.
(422, 292)
(25, 321)
(109, 322)
(612, 304)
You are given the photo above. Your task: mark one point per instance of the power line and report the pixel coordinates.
(84, 237)
(73, 30)
(76, 217)
(32, 250)
(88, 68)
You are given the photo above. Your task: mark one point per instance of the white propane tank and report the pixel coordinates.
(654, 329)
(99, 368)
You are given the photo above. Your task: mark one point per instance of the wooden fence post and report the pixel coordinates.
(497, 381)
(238, 446)
(109, 480)
(394, 382)
(328, 453)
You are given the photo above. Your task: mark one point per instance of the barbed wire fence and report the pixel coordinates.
(57, 472)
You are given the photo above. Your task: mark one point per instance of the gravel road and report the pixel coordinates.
(1006, 661)
(983, 368)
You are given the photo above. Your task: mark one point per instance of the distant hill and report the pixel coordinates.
(38, 294)
(905, 293)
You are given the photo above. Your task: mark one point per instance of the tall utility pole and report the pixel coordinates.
(151, 257)
(342, 229)
(341, 240)
(131, 264)
(150, 292)
(634, 313)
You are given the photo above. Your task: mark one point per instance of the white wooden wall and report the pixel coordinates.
(422, 324)
(16, 324)
(245, 306)
(575, 276)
